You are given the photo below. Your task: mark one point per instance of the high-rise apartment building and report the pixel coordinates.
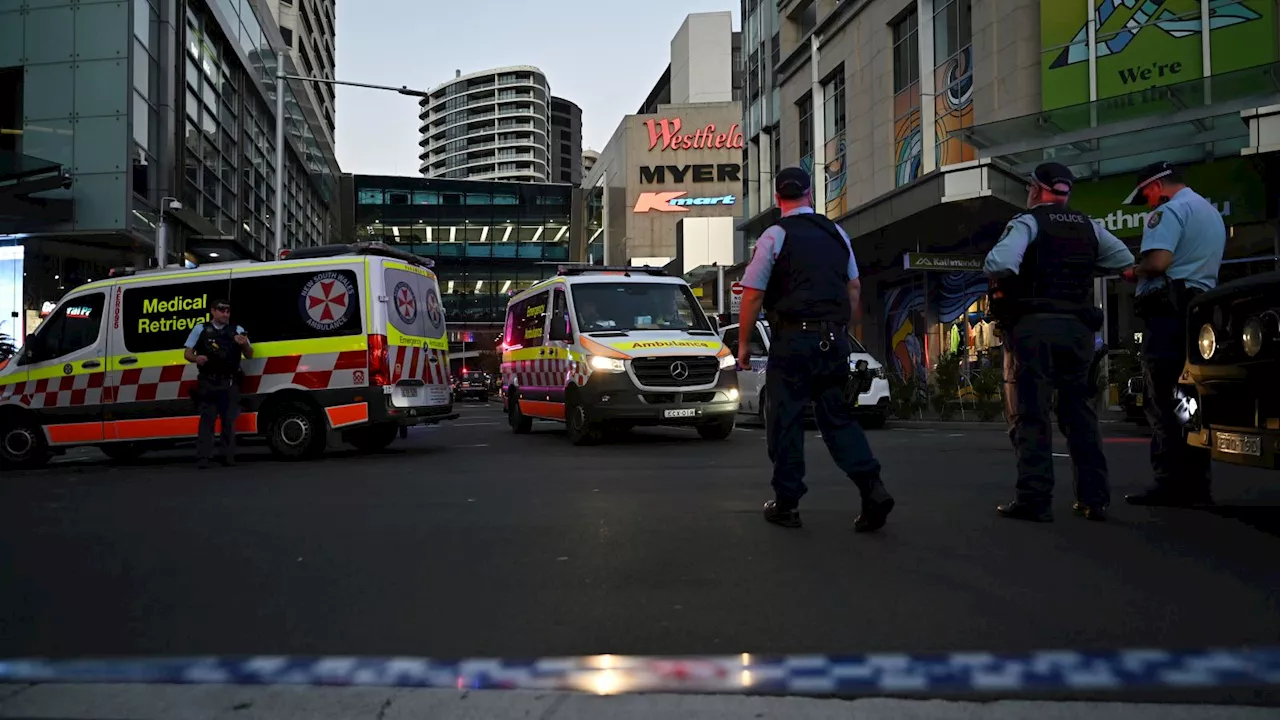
(489, 125)
(307, 28)
(566, 142)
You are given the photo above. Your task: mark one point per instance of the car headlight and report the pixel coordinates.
(607, 364)
(1208, 341)
(1252, 337)
(728, 361)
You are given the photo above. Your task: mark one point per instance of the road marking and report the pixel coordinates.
(1064, 455)
(956, 435)
(472, 424)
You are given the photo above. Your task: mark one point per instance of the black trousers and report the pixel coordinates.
(1055, 353)
(1177, 466)
(217, 400)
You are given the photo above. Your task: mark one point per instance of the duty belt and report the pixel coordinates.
(825, 326)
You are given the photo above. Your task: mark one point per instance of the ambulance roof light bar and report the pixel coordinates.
(357, 248)
(626, 269)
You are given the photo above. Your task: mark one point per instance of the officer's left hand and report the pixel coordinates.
(241, 340)
(744, 361)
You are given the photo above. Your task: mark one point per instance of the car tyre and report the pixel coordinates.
(578, 426)
(372, 438)
(295, 432)
(874, 420)
(22, 445)
(520, 424)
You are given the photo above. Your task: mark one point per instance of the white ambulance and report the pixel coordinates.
(349, 345)
(602, 348)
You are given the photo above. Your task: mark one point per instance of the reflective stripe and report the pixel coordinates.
(542, 409)
(171, 427)
(74, 433)
(344, 415)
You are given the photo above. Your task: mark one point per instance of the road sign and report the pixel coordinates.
(737, 288)
(735, 297)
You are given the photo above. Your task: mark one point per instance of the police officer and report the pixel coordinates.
(1046, 261)
(216, 347)
(1182, 246)
(803, 273)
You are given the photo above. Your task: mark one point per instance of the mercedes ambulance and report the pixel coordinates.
(602, 348)
(348, 341)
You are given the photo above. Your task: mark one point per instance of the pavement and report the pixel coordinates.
(468, 541)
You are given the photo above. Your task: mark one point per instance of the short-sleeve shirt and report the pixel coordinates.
(769, 245)
(194, 337)
(1193, 230)
(1006, 256)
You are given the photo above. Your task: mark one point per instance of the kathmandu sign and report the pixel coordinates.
(676, 201)
(934, 261)
(666, 133)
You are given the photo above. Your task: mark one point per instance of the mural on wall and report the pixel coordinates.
(837, 198)
(1144, 44)
(907, 139)
(953, 107)
(904, 310)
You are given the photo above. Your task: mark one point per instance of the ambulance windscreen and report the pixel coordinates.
(637, 306)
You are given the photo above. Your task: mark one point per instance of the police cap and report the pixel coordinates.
(1054, 177)
(791, 183)
(1149, 174)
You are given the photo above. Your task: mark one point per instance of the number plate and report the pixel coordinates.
(1236, 444)
(409, 391)
(1137, 400)
(690, 412)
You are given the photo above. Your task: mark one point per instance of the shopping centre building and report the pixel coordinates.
(924, 118)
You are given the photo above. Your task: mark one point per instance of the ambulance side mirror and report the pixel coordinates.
(560, 331)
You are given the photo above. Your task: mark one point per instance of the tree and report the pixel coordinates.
(7, 348)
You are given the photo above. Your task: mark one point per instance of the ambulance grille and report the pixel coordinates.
(662, 372)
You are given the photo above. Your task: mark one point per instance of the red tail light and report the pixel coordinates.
(379, 361)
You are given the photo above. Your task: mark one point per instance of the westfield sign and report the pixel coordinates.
(666, 133)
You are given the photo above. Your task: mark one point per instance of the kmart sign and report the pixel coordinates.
(1232, 185)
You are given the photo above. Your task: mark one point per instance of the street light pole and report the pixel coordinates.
(281, 78)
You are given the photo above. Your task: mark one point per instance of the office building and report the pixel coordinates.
(566, 142)
(589, 158)
(922, 119)
(489, 125)
(665, 189)
(489, 239)
(307, 29)
(119, 121)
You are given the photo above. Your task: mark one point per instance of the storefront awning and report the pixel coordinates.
(22, 176)
(1184, 122)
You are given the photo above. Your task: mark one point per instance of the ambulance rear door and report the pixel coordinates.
(417, 347)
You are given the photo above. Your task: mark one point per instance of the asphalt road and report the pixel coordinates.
(468, 541)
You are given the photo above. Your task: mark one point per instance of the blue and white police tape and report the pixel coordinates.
(610, 674)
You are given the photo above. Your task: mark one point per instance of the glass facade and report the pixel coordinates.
(490, 239)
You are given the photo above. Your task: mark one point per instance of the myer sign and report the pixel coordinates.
(1231, 184)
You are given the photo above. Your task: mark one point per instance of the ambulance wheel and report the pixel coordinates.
(295, 432)
(578, 426)
(873, 421)
(718, 430)
(122, 452)
(22, 445)
(372, 438)
(520, 424)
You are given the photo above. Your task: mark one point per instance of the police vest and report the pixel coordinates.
(219, 345)
(810, 278)
(1058, 268)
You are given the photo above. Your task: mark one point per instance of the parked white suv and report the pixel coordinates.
(873, 405)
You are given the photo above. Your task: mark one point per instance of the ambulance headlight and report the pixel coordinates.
(728, 362)
(607, 364)
(1208, 341)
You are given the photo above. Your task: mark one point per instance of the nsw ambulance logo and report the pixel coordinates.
(433, 309)
(325, 301)
(406, 303)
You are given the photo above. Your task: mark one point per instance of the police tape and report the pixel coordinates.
(745, 673)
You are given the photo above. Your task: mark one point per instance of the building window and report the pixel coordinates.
(805, 139)
(953, 79)
(833, 137)
(287, 34)
(906, 100)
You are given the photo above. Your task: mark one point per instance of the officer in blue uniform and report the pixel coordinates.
(217, 347)
(804, 274)
(1182, 246)
(1046, 262)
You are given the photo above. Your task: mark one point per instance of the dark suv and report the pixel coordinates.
(1230, 391)
(471, 383)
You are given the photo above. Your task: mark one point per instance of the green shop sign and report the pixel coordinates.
(1232, 185)
(1144, 44)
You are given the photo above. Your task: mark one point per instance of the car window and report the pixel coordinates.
(731, 340)
(560, 311)
(310, 303)
(73, 327)
(160, 317)
(757, 348)
(525, 322)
